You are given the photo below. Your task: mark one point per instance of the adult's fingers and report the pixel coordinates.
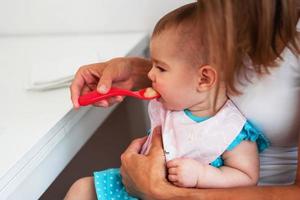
(136, 145)
(102, 103)
(114, 100)
(105, 81)
(76, 88)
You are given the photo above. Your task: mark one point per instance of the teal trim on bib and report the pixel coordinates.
(194, 117)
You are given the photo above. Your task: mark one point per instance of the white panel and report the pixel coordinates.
(33, 124)
(65, 16)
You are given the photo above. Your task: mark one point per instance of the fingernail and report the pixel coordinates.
(101, 103)
(119, 98)
(76, 107)
(102, 89)
(104, 104)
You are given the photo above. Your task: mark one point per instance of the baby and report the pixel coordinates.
(208, 143)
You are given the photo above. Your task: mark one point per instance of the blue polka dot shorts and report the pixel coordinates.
(108, 185)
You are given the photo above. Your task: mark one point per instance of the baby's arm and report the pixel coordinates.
(241, 168)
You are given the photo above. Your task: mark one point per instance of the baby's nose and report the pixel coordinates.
(151, 74)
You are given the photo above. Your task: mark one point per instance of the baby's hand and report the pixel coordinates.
(184, 172)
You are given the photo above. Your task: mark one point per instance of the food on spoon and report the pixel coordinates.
(150, 92)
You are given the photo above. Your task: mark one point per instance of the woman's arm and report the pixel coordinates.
(145, 177)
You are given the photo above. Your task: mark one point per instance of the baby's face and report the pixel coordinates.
(171, 75)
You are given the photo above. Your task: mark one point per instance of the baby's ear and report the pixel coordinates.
(207, 77)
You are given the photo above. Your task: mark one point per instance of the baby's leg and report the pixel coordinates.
(82, 189)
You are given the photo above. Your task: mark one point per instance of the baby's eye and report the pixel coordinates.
(160, 68)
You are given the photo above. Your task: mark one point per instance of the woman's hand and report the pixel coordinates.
(120, 72)
(142, 175)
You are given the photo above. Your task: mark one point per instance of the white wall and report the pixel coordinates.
(78, 16)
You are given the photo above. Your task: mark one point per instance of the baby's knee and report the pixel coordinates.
(84, 182)
(83, 187)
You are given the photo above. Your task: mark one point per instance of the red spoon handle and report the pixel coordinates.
(94, 96)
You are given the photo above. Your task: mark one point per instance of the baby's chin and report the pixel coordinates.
(167, 106)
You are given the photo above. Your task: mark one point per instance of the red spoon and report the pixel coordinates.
(94, 96)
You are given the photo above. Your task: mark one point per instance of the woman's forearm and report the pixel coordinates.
(253, 192)
(141, 67)
(241, 193)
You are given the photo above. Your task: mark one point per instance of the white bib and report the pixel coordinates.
(203, 141)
